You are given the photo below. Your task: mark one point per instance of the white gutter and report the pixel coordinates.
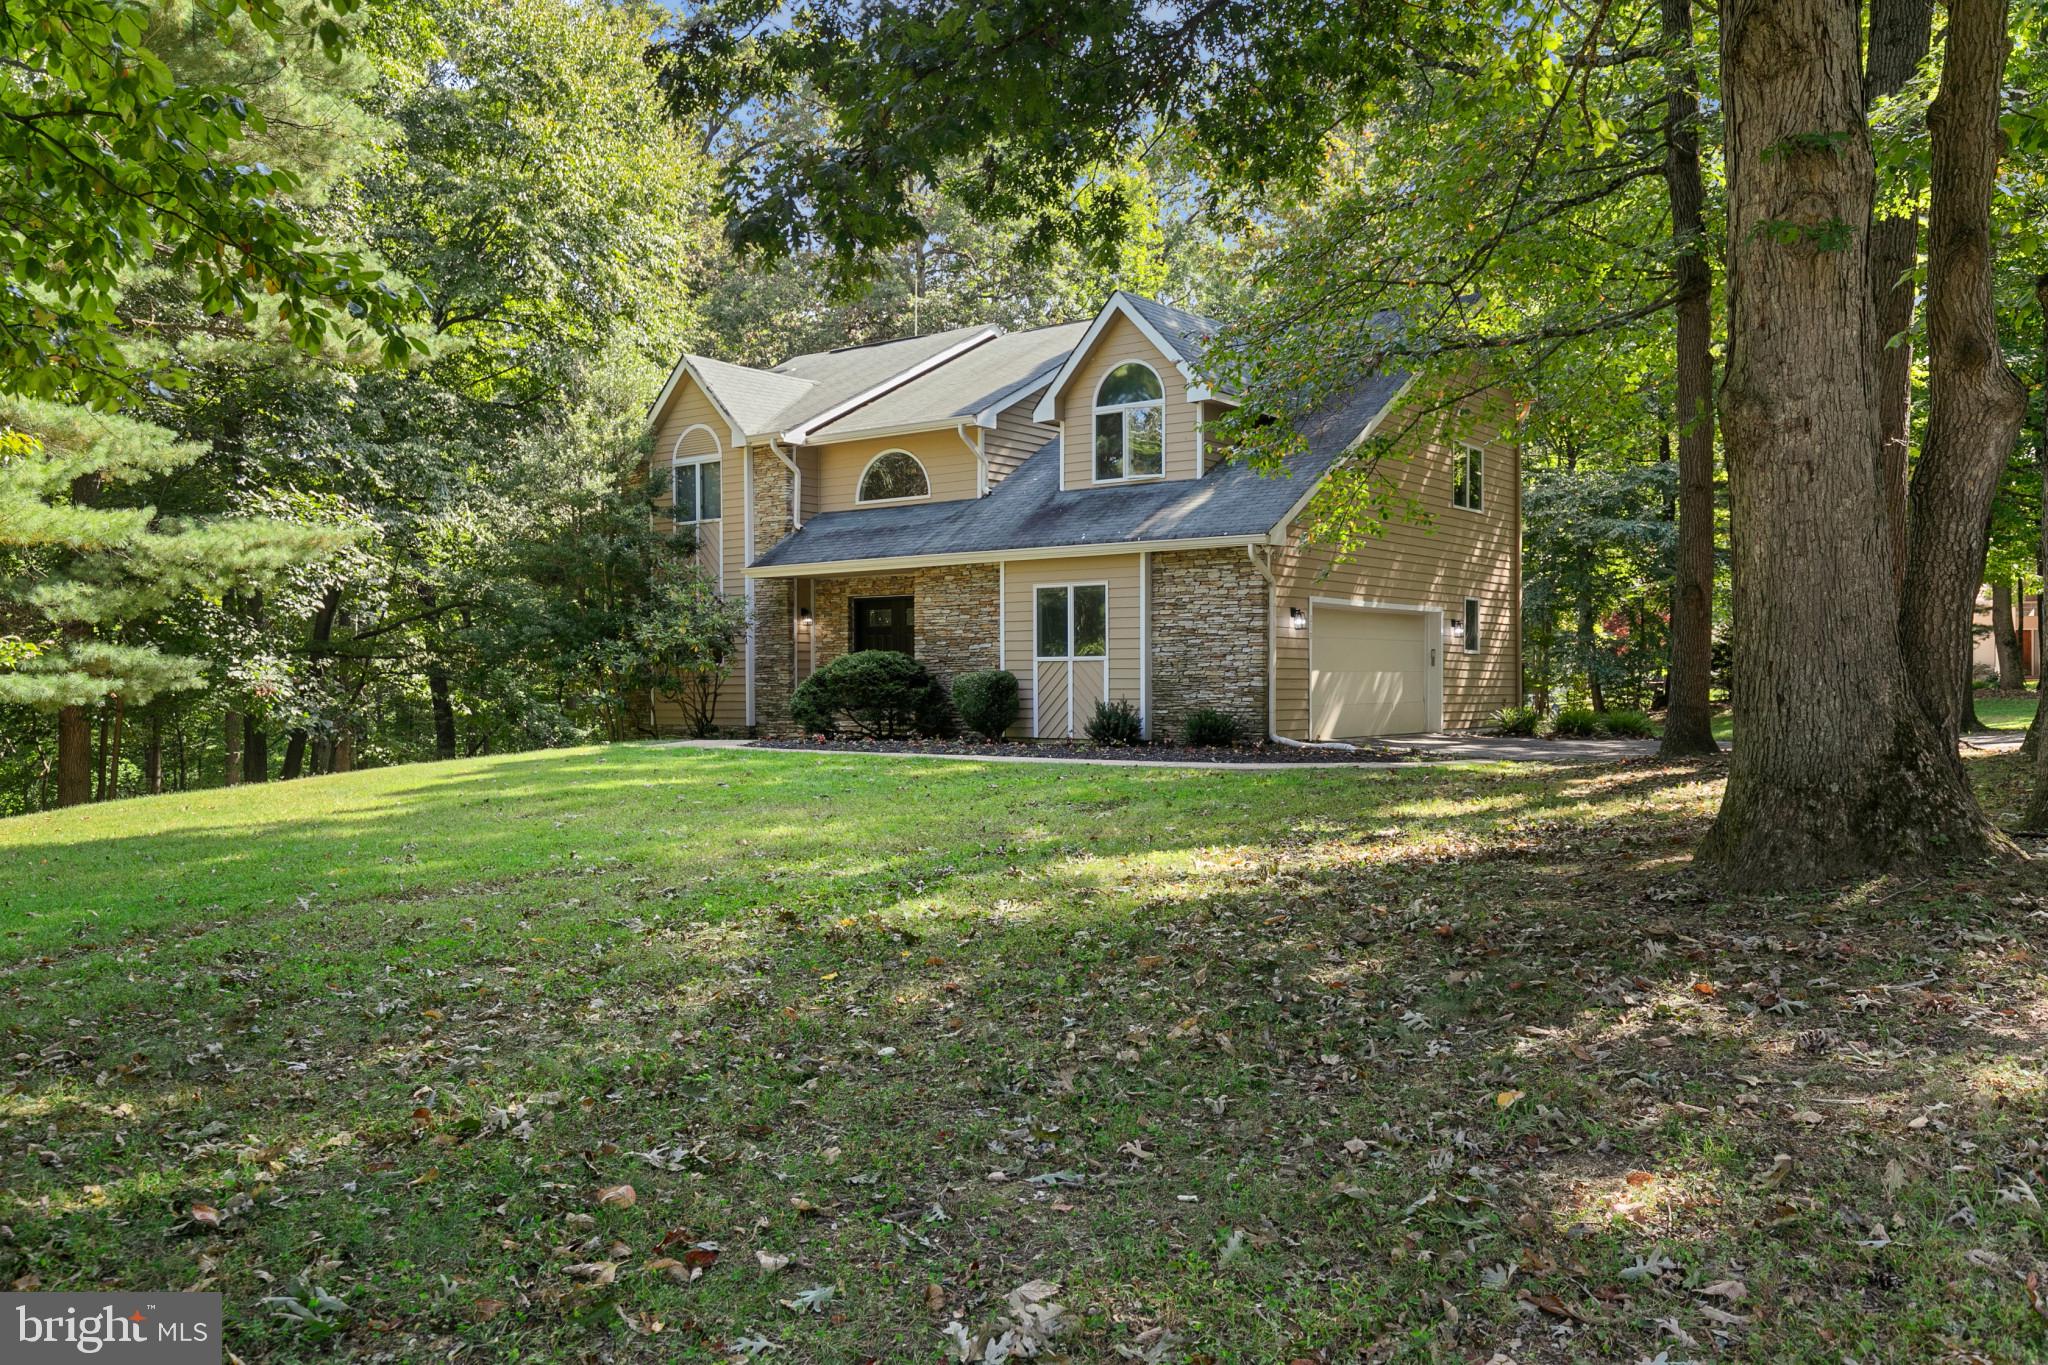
(796, 485)
(895, 562)
(973, 444)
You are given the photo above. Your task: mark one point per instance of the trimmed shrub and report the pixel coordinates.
(987, 701)
(1206, 727)
(1517, 720)
(1576, 722)
(1116, 722)
(874, 693)
(1630, 725)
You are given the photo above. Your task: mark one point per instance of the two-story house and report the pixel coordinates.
(1049, 502)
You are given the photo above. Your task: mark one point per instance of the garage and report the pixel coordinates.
(1372, 672)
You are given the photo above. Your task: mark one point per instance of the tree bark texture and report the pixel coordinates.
(1688, 715)
(1975, 403)
(2033, 742)
(255, 751)
(74, 756)
(294, 756)
(1900, 31)
(2005, 636)
(1817, 789)
(153, 756)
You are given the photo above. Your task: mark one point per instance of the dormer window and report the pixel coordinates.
(1130, 424)
(893, 476)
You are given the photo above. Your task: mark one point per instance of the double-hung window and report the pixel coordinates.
(696, 491)
(1130, 424)
(1468, 479)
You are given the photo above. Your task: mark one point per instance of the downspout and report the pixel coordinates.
(1264, 568)
(796, 485)
(980, 456)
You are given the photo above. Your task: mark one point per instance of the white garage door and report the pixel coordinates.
(1369, 673)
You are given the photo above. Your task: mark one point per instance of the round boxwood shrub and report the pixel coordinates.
(874, 693)
(987, 701)
(1208, 728)
(1116, 722)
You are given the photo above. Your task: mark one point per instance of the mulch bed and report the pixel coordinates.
(1145, 753)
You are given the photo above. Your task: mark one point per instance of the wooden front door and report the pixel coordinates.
(884, 623)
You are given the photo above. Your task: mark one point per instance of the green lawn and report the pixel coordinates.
(1997, 713)
(1332, 1065)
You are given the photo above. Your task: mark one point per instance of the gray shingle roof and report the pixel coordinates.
(964, 386)
(766, 402)
(1188, 332)
(1028, 510)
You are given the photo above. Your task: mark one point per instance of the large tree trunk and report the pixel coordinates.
(112, 759)
(74, 756)
(2005, 636)
(444, 712)
(1837, 771)
(344, 759)
(1975, 403)
(255, 751)
(294, 756)
(231, 746)
(1899, 34)
(1688, 715)
(2033, 741)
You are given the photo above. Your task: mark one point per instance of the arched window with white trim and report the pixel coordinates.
(1130, 424)
(893, 476)
(694, 469)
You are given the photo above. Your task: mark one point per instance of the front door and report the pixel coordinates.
(884, 623)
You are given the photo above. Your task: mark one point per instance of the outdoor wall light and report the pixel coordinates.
(1297, 618)
(803, 616)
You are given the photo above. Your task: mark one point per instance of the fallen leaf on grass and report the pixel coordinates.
(810, 1300)
(1732, 1290)
(1553, 1305)
(618, 1197)
(595, 1272)
(1774, 1175)
(1507, 1099)
(770, 1261)
(206, 1215)
(934, 1298)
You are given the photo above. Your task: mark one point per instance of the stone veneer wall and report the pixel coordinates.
(1208, 628)
(955, 616)
(774, 599)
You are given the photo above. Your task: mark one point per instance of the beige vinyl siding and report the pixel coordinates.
(1460, 554)
(688, 406)
(1021, 578)
(1075, 410)
(835, 469)
(1014, 439)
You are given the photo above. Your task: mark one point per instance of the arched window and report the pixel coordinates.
(893, 476)
(694, 466)
(1130, 424)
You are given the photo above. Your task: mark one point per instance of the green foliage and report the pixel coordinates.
(987, 701)
(1517, 720)
(1206, 727)
(875, 693)
(1116, 723)
(691, 633)
(1629, 725)
(105, 575)
(119, 162)
(1576, 722)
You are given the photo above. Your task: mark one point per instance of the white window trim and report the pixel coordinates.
(1124, 409)
(860, 501)
(695, 462)
(678, 461)
(1465, 455)
(1069, 658)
